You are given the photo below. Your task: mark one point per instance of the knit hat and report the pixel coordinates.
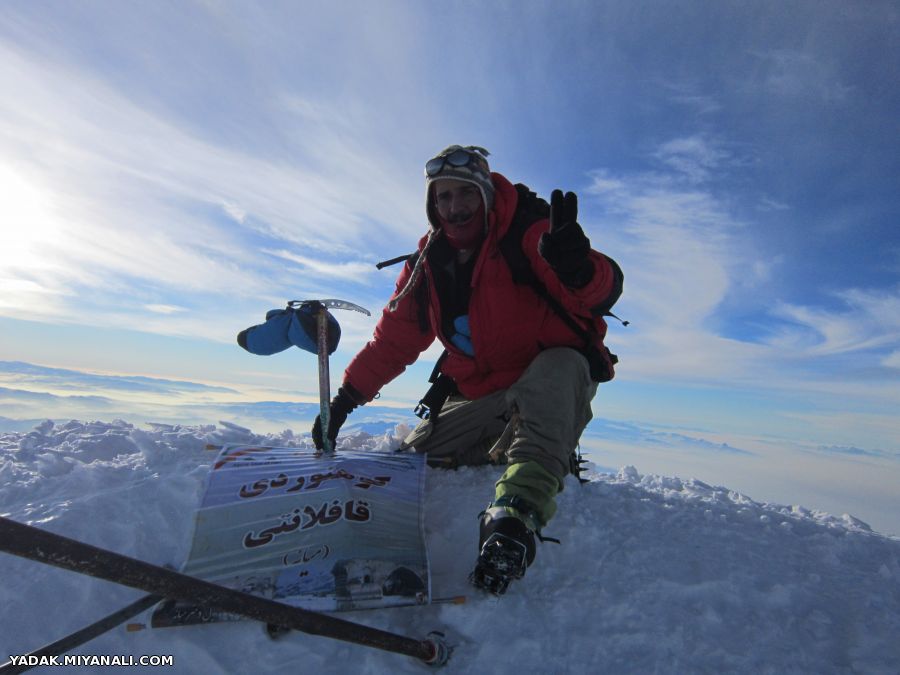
(468, 164)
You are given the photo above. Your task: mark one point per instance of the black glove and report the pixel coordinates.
(341, 405)
(565, 246)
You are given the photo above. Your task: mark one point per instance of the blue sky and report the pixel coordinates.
(171, 170)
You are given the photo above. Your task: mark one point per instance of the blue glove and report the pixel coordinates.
(462, 339)
(270, 337)
(285, 327)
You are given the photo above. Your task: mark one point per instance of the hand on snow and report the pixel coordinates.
(565, 246)
(341, 406)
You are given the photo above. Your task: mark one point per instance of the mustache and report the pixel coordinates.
(460, 218)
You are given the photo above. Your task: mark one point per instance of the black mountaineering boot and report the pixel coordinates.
(506, 549)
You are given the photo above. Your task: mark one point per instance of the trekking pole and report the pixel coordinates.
(83, 635)
(54, 549)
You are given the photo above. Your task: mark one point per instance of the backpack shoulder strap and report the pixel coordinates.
(529, 209)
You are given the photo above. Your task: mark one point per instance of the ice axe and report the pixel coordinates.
(323, 349)
(306, 324)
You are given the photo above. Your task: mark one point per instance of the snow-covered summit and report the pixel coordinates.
(654, 573)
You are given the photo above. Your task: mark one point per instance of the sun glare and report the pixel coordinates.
(27, 227)
(26, 223)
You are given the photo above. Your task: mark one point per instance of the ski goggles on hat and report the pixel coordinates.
(470, 158)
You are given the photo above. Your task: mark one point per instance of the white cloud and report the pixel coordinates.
(236, 212)
(123, 201)
(847, 427)
(764, 270)
(794, 73)
(686, 256)
(348, 271)
(680, 249)
(768, 204)
(696, 157)
(868, 320)
(165, 309)
(20, 297)
(691, 96)
(679, 241)
(27, 225)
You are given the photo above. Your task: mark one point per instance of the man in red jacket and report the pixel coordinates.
(522, 359)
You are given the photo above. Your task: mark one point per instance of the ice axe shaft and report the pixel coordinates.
(324, 376)
(322, 316)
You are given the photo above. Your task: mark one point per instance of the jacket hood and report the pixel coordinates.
(497, 222)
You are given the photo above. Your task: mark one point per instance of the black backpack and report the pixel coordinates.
(529, 209)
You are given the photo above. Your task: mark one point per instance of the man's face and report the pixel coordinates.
(459, 205)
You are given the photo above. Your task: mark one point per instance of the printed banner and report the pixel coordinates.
(326, 533)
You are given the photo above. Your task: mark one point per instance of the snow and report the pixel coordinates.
(655, 574)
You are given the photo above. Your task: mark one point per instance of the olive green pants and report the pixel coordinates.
(547, 409)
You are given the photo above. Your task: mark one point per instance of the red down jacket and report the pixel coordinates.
(510, 323)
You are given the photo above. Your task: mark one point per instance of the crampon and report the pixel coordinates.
(507, 550)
